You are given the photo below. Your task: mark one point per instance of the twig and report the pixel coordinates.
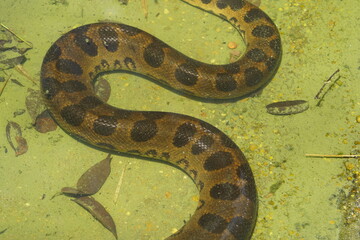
(117, 191)
(144, 7)
(22, 71)
(325, 83)
(12, 32)
(332, 156)
(5, 83)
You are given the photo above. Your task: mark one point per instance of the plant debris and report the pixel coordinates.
(14, 134)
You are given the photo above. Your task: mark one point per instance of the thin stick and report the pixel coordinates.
(5, 83)
(332, 156)
(22, 71)
(144, 7)
(117, 191)
(12, 32)
(325, 83)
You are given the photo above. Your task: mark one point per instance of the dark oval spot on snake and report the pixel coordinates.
(240, 227)
(105, 125)
(271, 63)
(233, 4)
(254, 14)
(154, 55)
(129, 30)
(201, 145)
(212, 223)
(218, 161)
(225, 82)
(130, 64)
(263, 31)
(53, 53)
(256, 55)
(275, 45)
(227, 142)
(253, 76)
(90, 102)
(73, 114)
(232, 68)
(184, 134)
(187, 74)
(86, 44)
(225, 191)
(109, 37)
(143, 130)
(68, 66)
(72, 86)
(50, 87)
(249, 190)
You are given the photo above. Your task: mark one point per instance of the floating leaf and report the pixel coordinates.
(34, 103)
(287, 107)
(92, 180)
(98, 212)
(103, 89)
(45, 123)
(14, 134)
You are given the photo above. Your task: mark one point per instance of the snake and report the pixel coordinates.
(228, 202)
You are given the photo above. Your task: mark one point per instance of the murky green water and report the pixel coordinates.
(300, 198)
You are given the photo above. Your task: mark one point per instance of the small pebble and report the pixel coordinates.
(358, 119)
(232, 45)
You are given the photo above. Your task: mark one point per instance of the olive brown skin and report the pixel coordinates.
(228, 200)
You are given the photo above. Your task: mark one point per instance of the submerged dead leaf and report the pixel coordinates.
(15, 139)
(34, 103)
(98, 212)
(92, 180)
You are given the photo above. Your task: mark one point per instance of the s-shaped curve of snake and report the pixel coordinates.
(227, 207)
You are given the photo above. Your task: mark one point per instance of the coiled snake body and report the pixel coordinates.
(227, 207)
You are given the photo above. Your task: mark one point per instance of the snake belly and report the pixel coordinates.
(227, 207)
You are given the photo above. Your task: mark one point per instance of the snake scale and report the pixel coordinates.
(227, 208)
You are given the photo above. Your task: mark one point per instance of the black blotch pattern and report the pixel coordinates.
(151, 153)
(154, 54)
(72, 86)
(104, 64)
(227, 142)
(90, 102)
(206, 1)
(121, 114)
(165, 155)
(50, 87)
(52, 54)
(105, 125)
(194, 173)
(117, 64)
(143, 130)
(254, 14)
(109, 37)
(183, 162)
(256, 55)
(200, 204)
(129, 30)
(86, 44)
(225, 82)
(240, 227)
(73, 114)
(68, 66)
(130, 64)
(225, 191)
(253, 76)
(213, 223)
(233, 4)
(203, 144)
(271, 63)
(232, 68)
(184, 134)
(263, 31)
(186, 74)
(218, 161)
(244, 172)
(275, 45)
(200, 185)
